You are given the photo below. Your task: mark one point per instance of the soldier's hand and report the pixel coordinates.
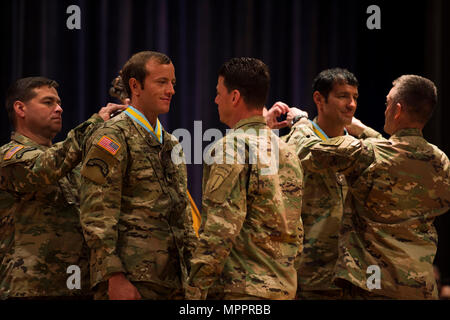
(119, 288)
(445, 292)
(293, 112)
(112, 109)
(356, 127)
(193, 293)
(279, 108)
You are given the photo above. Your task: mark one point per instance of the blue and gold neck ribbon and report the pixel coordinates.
(319, 132)
(138, 117)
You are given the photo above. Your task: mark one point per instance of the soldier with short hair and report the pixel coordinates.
(398, 187)
(40, 232)
(252, 191)
(325, 195)
(135, 212)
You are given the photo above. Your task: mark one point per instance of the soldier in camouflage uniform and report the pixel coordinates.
(40, 232)
(398, 186)
(252, 229)
(135, 212)
(118, 91)
(335, 93)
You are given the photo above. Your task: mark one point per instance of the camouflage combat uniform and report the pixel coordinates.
(135, 212)
(398, 187)
(252, 228)
(324, 195)
(40, 229)
(6, 231)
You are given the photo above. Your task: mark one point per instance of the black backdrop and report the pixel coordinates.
(297, 39)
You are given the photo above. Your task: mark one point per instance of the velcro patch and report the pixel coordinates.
(109, 145)
(333, 141)
(221, 182)
(11, 152)
(218, 177)
(102, 165)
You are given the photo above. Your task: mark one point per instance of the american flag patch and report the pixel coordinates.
(109, 145)
(12, 152)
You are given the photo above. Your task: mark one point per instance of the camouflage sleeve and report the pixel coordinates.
(370, 133)
(190, 242)
(206, 171)
(224, 205)
(27, 169)
(302, 138)
(183, 227)
(345, 154)
(190, 236)
(101, 192)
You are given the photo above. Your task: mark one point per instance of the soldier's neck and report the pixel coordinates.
(151, 116)
(331, 129)
(244, 113)
(36, 137)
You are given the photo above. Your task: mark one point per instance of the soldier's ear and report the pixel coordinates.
(134, 87)
(318, 99)
(235, 98)
(19, 108)
(398, 110)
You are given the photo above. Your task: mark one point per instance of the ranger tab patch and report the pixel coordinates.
(109, 145)
(11, 152)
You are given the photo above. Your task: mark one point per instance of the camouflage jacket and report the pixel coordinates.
(398, 187)
(135, 212)
(252, 229)
(324, 195)
(40, 231)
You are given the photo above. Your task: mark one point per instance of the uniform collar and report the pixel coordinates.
(151, 139)
(408, 132)
(252, 120)
(140, 119)
(19, 138)
(319, 132)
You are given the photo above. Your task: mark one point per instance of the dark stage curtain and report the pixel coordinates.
(297, 39)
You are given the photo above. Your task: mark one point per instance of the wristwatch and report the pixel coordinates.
(298, 117)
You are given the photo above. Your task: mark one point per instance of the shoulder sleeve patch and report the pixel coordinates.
(217, 177)
(221, 182)
(11, 152)
(109, 145)
(97, 165)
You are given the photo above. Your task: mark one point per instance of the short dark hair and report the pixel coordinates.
(135, 67)
(326, 79)
(23, 90)
(418, 94)
(250, 77)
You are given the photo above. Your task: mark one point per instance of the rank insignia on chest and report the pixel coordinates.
(11, 152)
(109, 145)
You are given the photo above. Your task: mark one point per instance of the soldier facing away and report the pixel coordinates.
(40, 232)
(398, 187)
(251, 225)
(135, 212)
